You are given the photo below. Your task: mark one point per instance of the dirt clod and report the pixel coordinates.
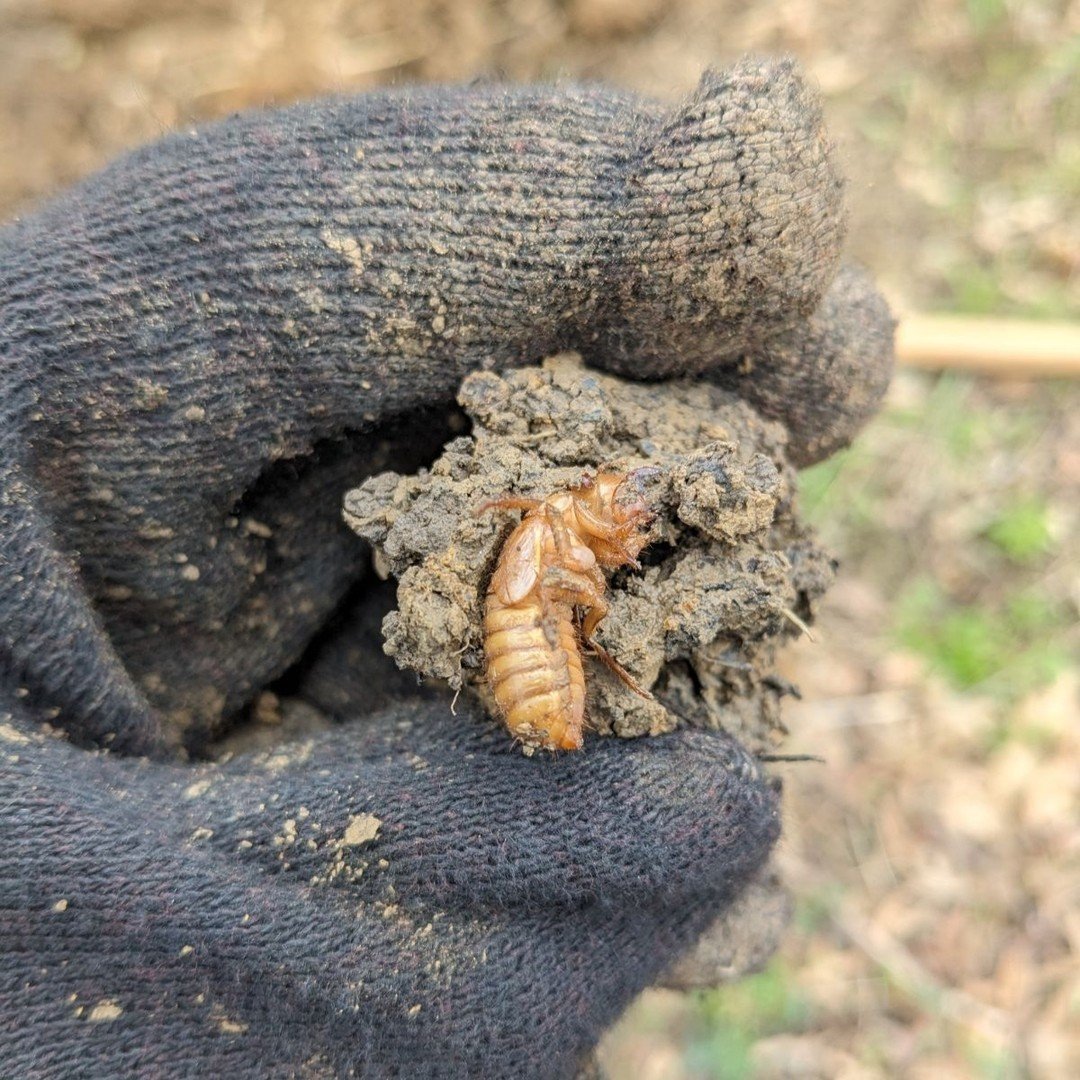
(728, 566)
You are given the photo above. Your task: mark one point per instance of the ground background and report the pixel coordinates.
(936, 854)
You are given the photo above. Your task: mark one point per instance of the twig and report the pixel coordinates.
(795, 620)
(1001, 347)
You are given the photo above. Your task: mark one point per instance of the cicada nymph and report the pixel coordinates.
(546, 598)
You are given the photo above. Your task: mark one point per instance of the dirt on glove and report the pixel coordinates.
(730, 574)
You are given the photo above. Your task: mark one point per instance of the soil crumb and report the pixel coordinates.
(730, 574)
(361, 829)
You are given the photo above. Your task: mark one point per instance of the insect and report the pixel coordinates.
(546, 598)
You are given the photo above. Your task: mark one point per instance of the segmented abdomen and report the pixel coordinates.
(539, 684)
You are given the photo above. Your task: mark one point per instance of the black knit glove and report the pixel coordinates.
(200, 350)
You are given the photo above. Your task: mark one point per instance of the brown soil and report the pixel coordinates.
(730, 574)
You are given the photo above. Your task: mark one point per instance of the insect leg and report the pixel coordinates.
(578, 589)
(572, 587)
(597, 612)
(594, 524)
(616, 668)
(564, 541)
(508, 502)
(614, 536)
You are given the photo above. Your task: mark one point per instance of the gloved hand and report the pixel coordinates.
(202, 348)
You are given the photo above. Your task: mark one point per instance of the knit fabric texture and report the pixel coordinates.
(201, 348)
(410, 899)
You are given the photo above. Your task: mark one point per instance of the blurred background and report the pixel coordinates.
(935, 855)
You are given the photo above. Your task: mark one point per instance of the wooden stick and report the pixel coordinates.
(1007, 348)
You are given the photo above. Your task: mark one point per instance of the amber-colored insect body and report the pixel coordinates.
(546, 598)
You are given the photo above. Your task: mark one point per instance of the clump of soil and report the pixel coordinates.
(731, 571)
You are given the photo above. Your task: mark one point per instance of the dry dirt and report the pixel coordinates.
(730, 573)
